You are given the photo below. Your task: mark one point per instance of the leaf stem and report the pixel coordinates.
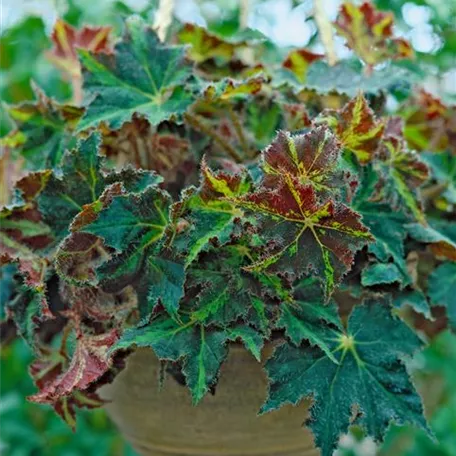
(198, 124)
(239, 131)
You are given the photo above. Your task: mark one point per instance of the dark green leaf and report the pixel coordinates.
(144, 76)
(314, 322)
(370, 376)
(441, 289)
(202, 350)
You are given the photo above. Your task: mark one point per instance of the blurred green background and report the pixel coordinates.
(30, 430)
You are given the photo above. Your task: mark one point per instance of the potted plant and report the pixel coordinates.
(213, 229)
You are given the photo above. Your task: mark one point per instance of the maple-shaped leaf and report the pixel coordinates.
(302, 234)
(66, 39)
(202, 350)
(143, 77)
(130, 217)
(79, 182)
(311, 158)
(43, 130)
(89, 362)
(356, 127)
(134, 225)
(370, 375)
(441, 286)
(369, 32)
(403, 172)
(205, 215)
(205, 45)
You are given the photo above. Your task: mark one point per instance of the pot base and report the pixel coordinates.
(165, 423)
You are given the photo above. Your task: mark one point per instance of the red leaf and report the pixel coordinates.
(311, 158)
(301, 233)
(67, 39)
(356, 127)
(90, 361)
(369, 32)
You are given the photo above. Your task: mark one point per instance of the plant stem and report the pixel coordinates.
(76, 83)
(325, 31)
(239, 131)
(163, 18)
(198, 124)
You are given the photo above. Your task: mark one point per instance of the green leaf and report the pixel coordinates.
(250, 337)
(348, 77)
(134, 224)
(443, 167)
(415, 299)
(441, 289)
(402, 173)
(202, 350)
(167, 280)
(206, 215)
(43, 130)
(370, 376)
(441, 236)
(26, 308)
(314, 322)
(131, 217)
(80, 182)
(386, 226)
(144, 76)
(226, 291)
(380, 274)
(205, 356)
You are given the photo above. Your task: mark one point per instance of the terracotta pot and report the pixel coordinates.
(165, 423)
